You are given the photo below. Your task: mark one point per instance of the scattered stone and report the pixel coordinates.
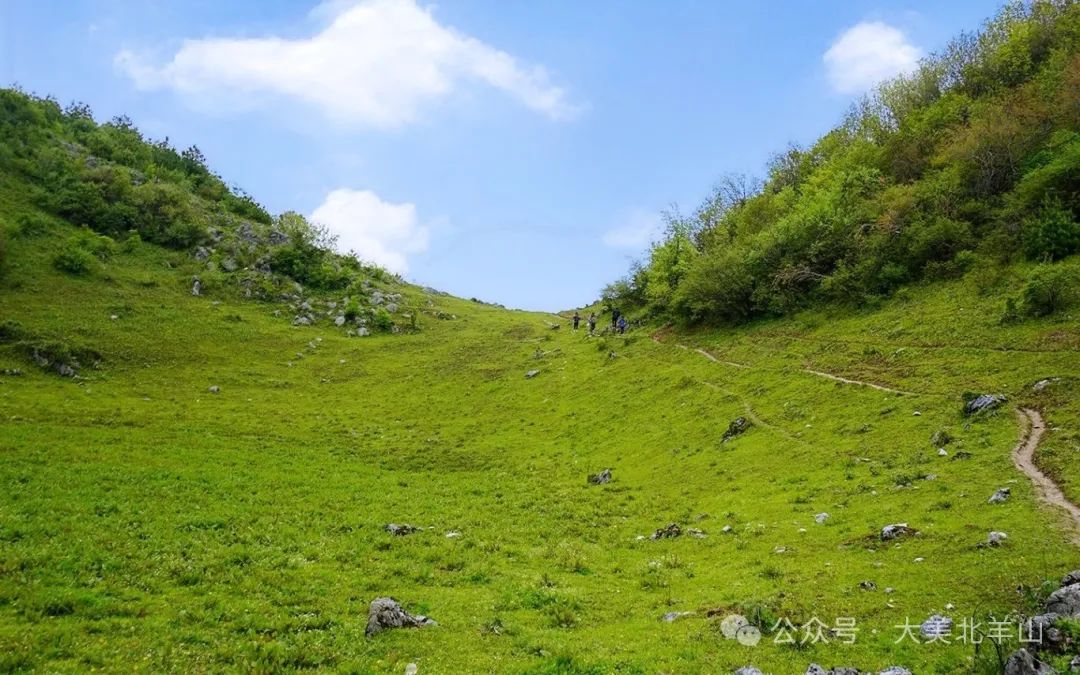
(1022, 662)
(727, 529)
(815, 669)
(821, 518)
(411, 669)
(1000, 496)
(890, 589)
(1074, 665)
(738, 425)
(301, 320)
(65, 370)
(1065, 601)
(895, 670)
(983, 402)
(1041, 632)
(748, 670)
(600, 478)
(1071, 578)
(229, 265)
(202, 253)
(362, 332)
(671, 617)
(1043, 384)
(196, 286)
(940, 438)
(453, 534)
(916, 414)
(392, 307)
(890, 532)
(669, 531)
(401, 530)
(11, 372)
(696, 533)
(386, 613)
(995, 539)
(868, 585)
(920, 559)
(942, 452)
(531, 374)
(214, 389)
(339, 320)
(963, 454)
(113, 317)
(937, 626)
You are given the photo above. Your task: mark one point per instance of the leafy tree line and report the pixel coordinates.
(112, 180)
(973, 159)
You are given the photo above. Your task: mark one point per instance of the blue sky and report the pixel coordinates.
(519, 152)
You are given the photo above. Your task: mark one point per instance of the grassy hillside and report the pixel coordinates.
(970, 162)
(149, 524)
(198, 477)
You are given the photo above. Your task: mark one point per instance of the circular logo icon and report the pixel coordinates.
(748, 636)
(731, 624)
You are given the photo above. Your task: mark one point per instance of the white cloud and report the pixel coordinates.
(637, 230)
(868, 53)
(376, 63)
(380, 232)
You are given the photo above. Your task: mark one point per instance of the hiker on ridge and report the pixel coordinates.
(615, 314)
(622, 325)
(592, 323)
(577, 319)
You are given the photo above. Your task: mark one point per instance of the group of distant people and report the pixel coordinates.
(618, 321)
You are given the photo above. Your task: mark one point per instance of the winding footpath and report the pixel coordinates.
(1023, 454)
(1024, 459)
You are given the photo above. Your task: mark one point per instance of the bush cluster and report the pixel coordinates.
(972, 160)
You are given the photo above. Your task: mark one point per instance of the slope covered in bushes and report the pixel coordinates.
(972, 161)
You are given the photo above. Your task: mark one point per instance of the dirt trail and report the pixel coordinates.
(845, 380)
(1024, 459)
(1023, 454)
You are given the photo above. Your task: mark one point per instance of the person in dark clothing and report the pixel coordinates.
(577, 320)
(622, 325)
(592, 323)
(615, 314)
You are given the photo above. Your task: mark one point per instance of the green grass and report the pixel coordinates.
(147, 524)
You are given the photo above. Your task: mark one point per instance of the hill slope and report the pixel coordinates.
(144, 515)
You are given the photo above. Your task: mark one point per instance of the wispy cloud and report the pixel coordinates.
(377, 231)
(376, 63)
(867, 53)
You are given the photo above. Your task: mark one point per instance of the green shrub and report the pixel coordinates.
(1051, 234)
(352, 310)
(32, 225)
(10, 331)
(131, 242)
(1050, 289)
(76, 260)
(382, 321)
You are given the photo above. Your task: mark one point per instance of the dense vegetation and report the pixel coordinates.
(962, 167)
(122, 187)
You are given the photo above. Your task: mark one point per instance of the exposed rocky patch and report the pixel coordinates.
(386, 613)
(983, 403)
(737, 427)
(896, 531)
(1000, 496)
(600, 478)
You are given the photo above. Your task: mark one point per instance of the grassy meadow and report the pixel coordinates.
(147, 524)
